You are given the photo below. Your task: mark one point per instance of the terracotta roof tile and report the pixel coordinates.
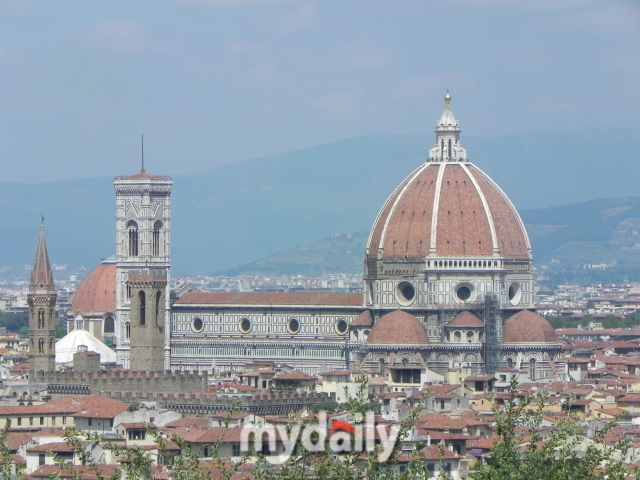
(84, 473)
(97, 292)
(528, 327)
(403, 226)
(465, 319)
(398, 327)
(294, 376)
(272, 298)
(363, 320)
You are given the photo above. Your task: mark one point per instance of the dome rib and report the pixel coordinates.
(508, 225)
(400, 196)
(436, 207)
(487, 210)
(455, 208)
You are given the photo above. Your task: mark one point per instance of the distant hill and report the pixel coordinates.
(567, 238)
(340, 253)
(235, 213)
(564, 240)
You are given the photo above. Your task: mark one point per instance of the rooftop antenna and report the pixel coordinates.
(142, 153)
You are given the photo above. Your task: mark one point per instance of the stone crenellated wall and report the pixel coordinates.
(204, 403)
(126, 380)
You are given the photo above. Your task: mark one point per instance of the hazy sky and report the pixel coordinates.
(217, 81)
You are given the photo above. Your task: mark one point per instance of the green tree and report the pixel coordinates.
(525, 451)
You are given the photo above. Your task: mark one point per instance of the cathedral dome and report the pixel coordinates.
(528, 327)
(448, 207)
(452, 210)
(398, 327)
(97, 292)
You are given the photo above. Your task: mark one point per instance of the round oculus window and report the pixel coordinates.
(197, 324)
(245, 325)
(342, 326)
(405, 293)
(465, 292)
(515, 293)
(294, 325)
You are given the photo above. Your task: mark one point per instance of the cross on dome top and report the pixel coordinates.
(447, 148)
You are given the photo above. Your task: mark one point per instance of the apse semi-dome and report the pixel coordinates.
(97, 292)
(528, 327)
(465, 319)
(398, 327)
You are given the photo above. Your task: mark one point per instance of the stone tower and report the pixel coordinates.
(42, 301)
(142, 270)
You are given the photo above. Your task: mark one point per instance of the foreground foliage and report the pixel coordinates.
(523, 450)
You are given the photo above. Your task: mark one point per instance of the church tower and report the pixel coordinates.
(42, 301)
(142, 271)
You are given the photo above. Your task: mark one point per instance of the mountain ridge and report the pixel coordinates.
(247, 210)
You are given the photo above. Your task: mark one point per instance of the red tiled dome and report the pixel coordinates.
(398, 327)
(528, 327)
(97, 292)
(363, 320)
(465, 319)
(452, 209)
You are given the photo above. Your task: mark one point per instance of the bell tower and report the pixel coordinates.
(143, 210)
(42, 301)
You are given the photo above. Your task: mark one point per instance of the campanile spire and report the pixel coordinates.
(448, 147)
(41, 275)
(42, 322)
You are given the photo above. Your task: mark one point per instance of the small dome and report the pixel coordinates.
(363, 320)
(465, 319)
(68, 345)
(398, 327)
(528, 327)
(97, 292)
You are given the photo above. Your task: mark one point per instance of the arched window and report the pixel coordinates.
(109, 324)
(40, 319)
(381, 365)
(127, 330)
(41, 345)
(155, 243)
(158, 305)
(143, 307)
(470, 336)
(532, 369)
(457, 336)
(509, 362)
(132, 236)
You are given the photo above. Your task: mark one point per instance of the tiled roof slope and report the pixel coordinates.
(272, 298)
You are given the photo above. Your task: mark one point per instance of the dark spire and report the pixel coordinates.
(41, 275)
